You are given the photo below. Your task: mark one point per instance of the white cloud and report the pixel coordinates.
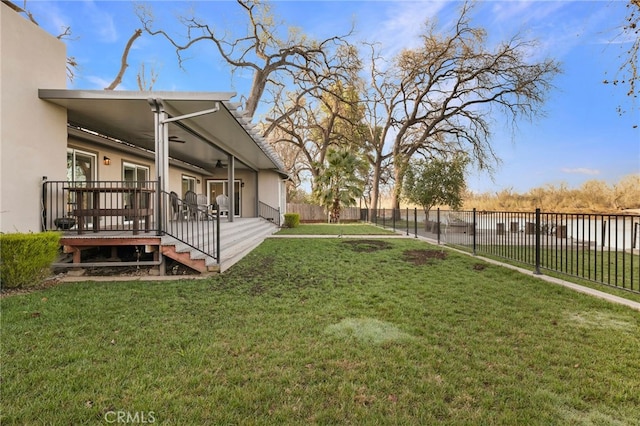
(581, 171)
(102, 21)
(402, 24)
(99, 83)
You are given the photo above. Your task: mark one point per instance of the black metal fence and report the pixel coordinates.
(602, 248)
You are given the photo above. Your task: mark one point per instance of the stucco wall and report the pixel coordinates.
(33, 133)
(114, 171)
(271, 190)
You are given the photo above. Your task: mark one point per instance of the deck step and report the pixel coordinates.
(236, 240)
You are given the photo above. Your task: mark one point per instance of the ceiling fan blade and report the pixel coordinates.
(176, 139)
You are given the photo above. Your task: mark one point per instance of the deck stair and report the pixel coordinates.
(237, 239)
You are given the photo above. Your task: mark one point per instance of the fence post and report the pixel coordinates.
(538, 227)
(393, 220)
(407, 221)
(43, 218)
(474, 231)
(438, 225)
(415, 221)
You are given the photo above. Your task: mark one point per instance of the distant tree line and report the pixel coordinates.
(593, 196)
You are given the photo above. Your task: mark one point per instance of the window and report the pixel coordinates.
(81, 165)
(134, 175)
(188, 184)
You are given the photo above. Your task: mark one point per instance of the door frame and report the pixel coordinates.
(237, 190)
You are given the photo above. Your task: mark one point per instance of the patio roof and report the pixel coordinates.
(201, 140)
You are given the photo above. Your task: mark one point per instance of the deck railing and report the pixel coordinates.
(87, 207)
(99, 206)
(603, 248)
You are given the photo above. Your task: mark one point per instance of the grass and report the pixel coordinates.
(336, 229)
(594, 270)
(328, 331)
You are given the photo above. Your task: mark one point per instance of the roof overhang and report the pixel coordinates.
(200, 140)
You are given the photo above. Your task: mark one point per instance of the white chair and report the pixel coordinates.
(203, 207)
(222, 201)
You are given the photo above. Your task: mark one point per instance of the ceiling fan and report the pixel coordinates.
(219, 165)
(172, 138)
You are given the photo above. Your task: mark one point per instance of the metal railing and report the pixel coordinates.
(269, 213)
(97, 206)
(91, 207)
(195, 226)
(602, 248)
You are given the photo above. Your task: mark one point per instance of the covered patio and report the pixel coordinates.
(200, 131)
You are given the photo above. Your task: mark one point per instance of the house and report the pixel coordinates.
(126, 168)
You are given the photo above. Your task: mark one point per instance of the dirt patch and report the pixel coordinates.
(367, 246)
(46, 283)
(423, 257)
(479, 267)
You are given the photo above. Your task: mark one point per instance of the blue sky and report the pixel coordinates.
(581, 137)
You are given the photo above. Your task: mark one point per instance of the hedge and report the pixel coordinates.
(291, 220)
(25, 258)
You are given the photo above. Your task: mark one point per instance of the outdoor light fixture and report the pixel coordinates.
(107, 161)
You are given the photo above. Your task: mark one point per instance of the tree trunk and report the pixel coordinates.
(398, 175)
(375, 189)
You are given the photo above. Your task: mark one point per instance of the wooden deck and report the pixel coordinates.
(236, 240)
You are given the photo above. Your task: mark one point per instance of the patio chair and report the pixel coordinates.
(203, 206)
(222, 202)
(191, 201)
(175, 205)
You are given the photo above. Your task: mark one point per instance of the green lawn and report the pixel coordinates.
(335, 229)
(329, 331)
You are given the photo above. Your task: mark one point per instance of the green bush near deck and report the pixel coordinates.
(291, 220)
(26, 258)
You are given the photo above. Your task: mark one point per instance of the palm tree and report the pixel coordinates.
(340, 184)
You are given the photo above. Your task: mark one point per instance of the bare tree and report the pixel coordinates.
(307, 127)
(143, 83)
(273, 60)
(440, 97)
(629, 66)
(123, 62)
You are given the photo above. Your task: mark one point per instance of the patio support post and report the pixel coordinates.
(257, 189)
(161, 152)
(231, 179)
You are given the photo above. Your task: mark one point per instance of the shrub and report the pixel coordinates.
(26, 258)
(291, 220)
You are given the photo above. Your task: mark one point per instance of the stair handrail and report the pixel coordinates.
(269, 213)
(201, 231)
